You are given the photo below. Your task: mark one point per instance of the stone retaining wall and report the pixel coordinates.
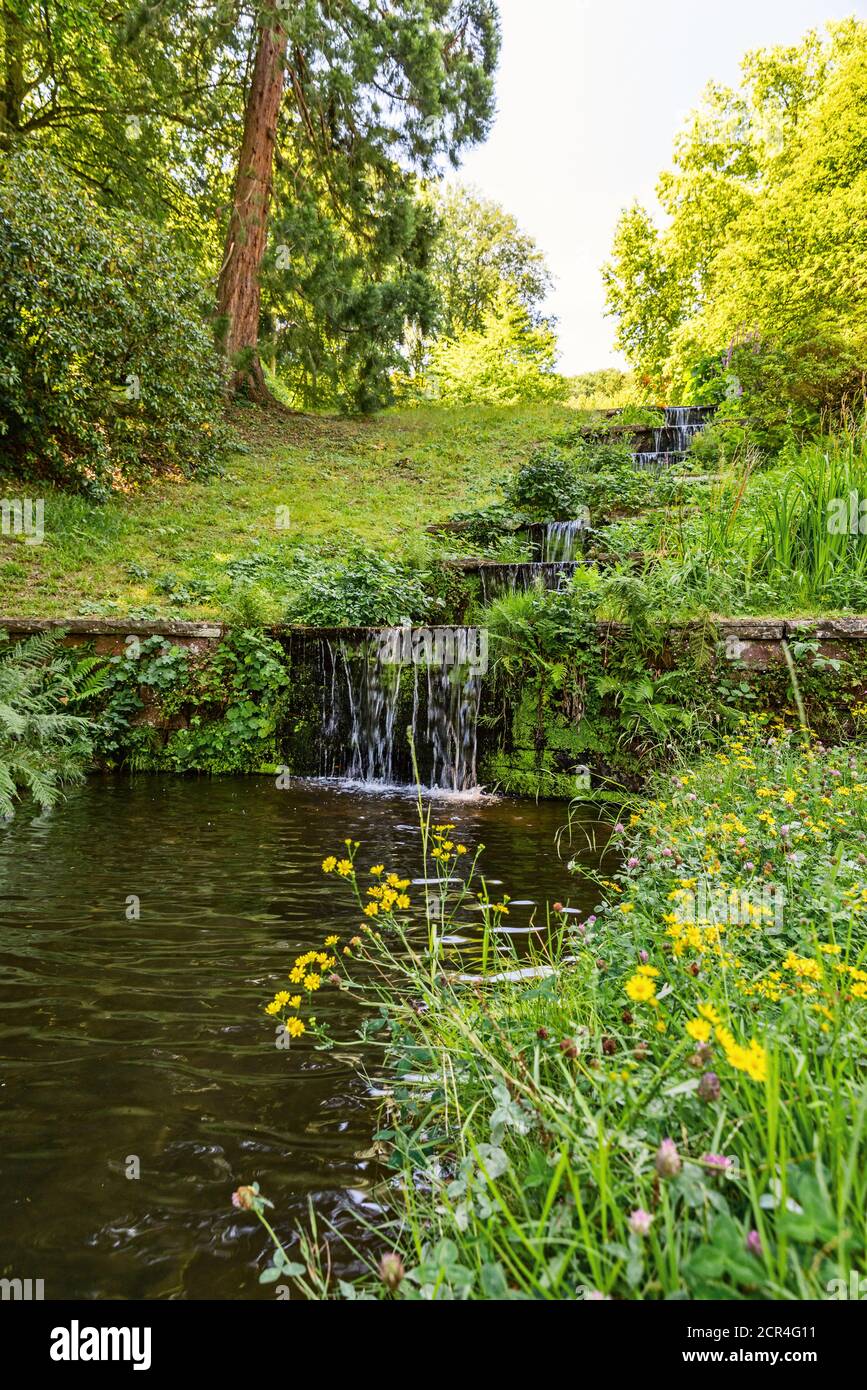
(757, 643)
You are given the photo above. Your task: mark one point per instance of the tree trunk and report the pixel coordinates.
(238, 290)
(13, 86)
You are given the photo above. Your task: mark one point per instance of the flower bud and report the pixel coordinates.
(391, 1271)
(668, 1161)
(640, 1222)
(709, 1087)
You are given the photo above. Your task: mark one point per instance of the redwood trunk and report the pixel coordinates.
(238, 290)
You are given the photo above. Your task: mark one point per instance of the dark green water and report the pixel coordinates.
(146, 1037)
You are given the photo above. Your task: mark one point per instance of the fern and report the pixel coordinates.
(43, 747)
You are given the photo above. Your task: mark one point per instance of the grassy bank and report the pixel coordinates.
(172, 546)
(674, 1105)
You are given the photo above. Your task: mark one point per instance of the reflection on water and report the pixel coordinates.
(144, 1036)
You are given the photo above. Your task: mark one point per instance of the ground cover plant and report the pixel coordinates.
(670, 1102)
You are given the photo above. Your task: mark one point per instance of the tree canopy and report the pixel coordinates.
(758, 280)
(145, 104)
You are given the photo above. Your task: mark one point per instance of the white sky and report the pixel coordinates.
(590, 94)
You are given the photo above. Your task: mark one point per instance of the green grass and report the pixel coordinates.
(378, 481)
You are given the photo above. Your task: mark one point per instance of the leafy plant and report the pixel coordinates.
(362, 590)
(106, 367)
(43, 746)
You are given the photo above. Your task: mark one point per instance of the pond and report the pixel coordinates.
(144, 1037)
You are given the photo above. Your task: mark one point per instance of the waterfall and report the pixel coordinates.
(671, 442)
(530, 574)
(562, 540)
(428, 680)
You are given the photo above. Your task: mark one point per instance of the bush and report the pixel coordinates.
(508, 361)
(364, 590)
(556, 485)
(107, 371)
(547, 486)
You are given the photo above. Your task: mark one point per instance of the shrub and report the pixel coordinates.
(364, 590)
(509, 360)
(107, 372)
(547, 486)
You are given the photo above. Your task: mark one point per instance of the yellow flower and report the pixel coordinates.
(273, 1007)
(640, 989)
(371, 910)
(709, 1012)
(344, 867)
(462, 849)
(329, 864)
(294, 1027)
(377, 870)
(295, 1001)
(627, 907)
(699, 1029)
(331, 940)
(312, 982)
(403, 900)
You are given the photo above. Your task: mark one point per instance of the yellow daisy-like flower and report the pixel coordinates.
(273, 1007)
(377, 870)
(295, 1002)
(281, 999)
(371, 910)
(294, 1027)
(403, 900)
(329, 864)
(699, 1029)
(331, 940)
(296, 974)
(640, 989)
(312, 982)
(344, 867)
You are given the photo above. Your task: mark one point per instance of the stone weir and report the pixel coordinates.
(357, 693)
(672, 441)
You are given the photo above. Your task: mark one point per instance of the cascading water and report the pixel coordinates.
(427, 680)
(529, 574)
(562, 540)
(672, 441)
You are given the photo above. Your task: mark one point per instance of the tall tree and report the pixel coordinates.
(478, 248)
(238, 291)
(372, 92)
(763, 252)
